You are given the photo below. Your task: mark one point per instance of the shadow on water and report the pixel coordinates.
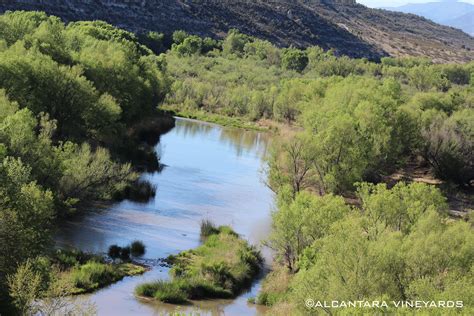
(211, 173)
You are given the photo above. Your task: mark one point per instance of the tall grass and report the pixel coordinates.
(163, 291)
(208, 228)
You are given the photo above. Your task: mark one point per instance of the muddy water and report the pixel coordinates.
(210, 172)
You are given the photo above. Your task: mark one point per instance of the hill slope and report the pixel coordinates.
(342, 25)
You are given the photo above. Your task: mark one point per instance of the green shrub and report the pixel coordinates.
(294, 59)
(93, 275)
(71, 258)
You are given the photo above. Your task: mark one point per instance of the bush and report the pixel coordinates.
(139, 191)
(125, 253)
(137, 248)
(70, 258)
(114, 251)
(294, 59)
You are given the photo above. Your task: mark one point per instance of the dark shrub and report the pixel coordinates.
(114, 251)
(138, 191)
(137, 248)
(125, 253)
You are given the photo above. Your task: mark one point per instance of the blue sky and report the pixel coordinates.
(395, 3)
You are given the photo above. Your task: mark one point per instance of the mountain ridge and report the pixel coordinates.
(344, 26)
(451, 13)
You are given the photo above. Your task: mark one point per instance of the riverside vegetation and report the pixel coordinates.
(220, 268)
(345, 228)
(72, 98)
(74, 101)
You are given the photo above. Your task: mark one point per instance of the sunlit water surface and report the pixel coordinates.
(210, 172)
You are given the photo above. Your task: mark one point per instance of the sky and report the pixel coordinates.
(396, 3)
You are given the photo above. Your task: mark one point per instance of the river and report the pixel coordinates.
(210, 172)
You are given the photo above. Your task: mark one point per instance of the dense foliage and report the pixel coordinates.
(56, 278)
(68, 97)
(353, 124)
(399, 247)
(72, 103)
(361, 119)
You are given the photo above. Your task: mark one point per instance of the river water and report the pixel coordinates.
(210, 172)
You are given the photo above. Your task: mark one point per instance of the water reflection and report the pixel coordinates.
(210, 172)
(243, 142)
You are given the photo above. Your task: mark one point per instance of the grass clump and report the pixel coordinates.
(220, 268)
(163, 291)
(208, 228)
(87, 272)
(95, 275)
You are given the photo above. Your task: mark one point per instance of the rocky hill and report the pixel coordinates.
(342, 25)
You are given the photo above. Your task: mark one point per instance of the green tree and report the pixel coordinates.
(300, 222)
(400, 207)
(25, 288)
(235, 43)
(448, 145)
(191, 45)
(294, 59)
(89, 175)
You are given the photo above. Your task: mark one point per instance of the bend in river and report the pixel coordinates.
(210, 172)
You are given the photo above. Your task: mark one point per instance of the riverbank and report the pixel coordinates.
(195, 183)
(87, 273)
(223, 120)
(221, 267)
